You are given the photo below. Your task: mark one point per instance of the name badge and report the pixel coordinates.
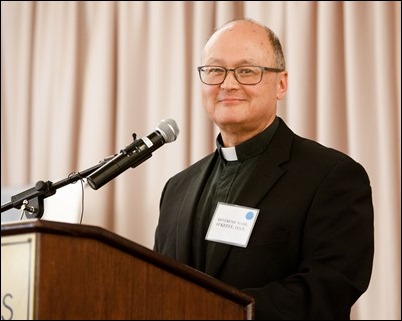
(232, 224)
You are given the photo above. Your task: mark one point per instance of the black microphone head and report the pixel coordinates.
(168, 129)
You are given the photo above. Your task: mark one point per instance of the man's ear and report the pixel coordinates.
(282, 85)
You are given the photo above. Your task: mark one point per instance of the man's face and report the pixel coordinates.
(242, 111)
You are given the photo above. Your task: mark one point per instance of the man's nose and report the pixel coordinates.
(230, 80)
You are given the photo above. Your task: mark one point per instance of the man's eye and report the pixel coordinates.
(245, 71)
(215, 71)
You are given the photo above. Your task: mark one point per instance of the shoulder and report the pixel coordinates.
(309, 148)
(308, 155)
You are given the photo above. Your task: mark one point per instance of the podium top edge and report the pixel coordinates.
(102, 235)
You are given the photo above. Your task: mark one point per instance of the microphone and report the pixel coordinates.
(135, 153)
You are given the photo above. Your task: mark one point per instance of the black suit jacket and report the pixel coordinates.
(311, 251)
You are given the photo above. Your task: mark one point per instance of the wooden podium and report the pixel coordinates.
(85, 272)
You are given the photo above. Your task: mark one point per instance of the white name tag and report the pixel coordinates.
(232, 224)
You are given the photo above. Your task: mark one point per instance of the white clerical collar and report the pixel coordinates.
(229, 153)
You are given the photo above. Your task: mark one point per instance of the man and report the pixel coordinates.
(282, 218)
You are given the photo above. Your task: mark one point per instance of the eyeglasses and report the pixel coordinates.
(245, 75)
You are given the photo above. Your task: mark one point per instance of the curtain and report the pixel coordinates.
(79, 78)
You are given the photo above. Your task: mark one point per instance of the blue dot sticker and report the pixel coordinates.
(249, 215)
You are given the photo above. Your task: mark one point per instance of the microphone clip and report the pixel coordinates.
(130, 147)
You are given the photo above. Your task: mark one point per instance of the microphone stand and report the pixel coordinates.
(31, 201)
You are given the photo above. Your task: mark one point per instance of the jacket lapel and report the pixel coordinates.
(262, 179)
(194, 190)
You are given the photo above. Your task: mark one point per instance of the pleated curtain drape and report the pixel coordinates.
(78, 78)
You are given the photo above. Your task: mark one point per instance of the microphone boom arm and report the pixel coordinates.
(133, 155)
(34, 196)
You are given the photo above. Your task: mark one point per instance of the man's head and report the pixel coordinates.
(240, 110)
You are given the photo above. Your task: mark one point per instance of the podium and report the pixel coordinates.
(72, 271)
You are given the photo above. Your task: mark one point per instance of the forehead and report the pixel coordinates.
(238, 41)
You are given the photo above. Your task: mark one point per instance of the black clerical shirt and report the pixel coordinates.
(227, 178)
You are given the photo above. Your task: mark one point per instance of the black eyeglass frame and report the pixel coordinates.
(262, 68)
